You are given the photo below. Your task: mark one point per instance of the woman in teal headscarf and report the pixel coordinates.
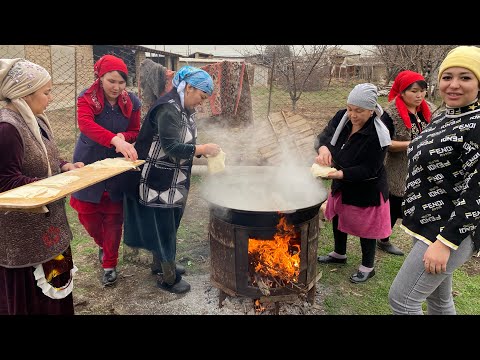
(167, 141)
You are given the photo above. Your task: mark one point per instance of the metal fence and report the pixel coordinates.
(251, 114)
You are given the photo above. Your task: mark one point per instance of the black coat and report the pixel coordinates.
(361, 158)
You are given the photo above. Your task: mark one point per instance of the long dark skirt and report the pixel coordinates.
(20, 295)
(149, 228)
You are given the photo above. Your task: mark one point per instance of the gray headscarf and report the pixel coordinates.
(365, 96)
(19, 78)
(152, 80)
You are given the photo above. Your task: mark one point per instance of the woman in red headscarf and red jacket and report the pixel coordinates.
(406, 116)
(109, 122)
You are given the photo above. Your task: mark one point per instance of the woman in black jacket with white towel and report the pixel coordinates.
(355, 142)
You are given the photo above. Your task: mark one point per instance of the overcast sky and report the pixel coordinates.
(222, 50)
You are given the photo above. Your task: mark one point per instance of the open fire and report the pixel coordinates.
(275, 262)
(263, 233)
(267, 256)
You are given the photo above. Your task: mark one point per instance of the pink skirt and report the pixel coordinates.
(371, 222)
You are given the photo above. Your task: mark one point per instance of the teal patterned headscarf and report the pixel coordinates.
(196, 77)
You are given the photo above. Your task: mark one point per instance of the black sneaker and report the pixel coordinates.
(109, 277)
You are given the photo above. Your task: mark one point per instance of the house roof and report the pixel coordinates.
(361, 61)
(204, 60)
(340, 52)
(150, 50)
(207, 55)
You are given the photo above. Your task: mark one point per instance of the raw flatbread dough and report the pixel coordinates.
(216, 164)
(113, 162)
(321, 170)
(28, 192)
(57, 180)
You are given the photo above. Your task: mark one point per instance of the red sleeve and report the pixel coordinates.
(11, 159)
(61, 163)
(88, 126)
(133, 127)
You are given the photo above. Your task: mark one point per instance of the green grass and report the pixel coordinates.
(371, 298)
(340, 296)
(327, 100)
(80, 236)
(83, 245)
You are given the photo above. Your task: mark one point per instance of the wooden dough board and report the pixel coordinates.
(88, 175)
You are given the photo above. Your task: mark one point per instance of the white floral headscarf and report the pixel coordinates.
(19, 78)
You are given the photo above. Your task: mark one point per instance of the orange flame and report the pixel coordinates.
(258, 306)
(278, 258)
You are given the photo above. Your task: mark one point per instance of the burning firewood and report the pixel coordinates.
(264, 288)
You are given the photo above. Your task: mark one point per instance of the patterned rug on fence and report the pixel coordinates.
(231, 97)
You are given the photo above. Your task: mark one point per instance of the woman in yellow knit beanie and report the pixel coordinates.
(441, 202)
(467, 57)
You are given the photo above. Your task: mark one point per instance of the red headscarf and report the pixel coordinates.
(95, 96)
(403, 80)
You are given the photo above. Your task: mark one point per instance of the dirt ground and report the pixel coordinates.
(136, 293)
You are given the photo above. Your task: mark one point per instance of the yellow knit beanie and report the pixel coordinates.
(467, 57)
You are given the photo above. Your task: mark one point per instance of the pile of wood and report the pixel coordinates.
(286, 138)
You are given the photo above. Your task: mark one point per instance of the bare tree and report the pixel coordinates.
(424, 59)
(294, 64)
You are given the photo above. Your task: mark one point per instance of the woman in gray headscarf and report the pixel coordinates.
(36, 266)
(355, 142)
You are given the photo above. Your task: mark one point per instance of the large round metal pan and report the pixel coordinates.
(264, 189)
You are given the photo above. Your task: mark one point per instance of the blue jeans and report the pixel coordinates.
(413, 285)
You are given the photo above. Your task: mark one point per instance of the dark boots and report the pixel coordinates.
(157, 270)
(388, 247)
(171, 280)
(156, 266)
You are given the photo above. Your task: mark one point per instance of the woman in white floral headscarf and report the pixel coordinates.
(36, 266)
